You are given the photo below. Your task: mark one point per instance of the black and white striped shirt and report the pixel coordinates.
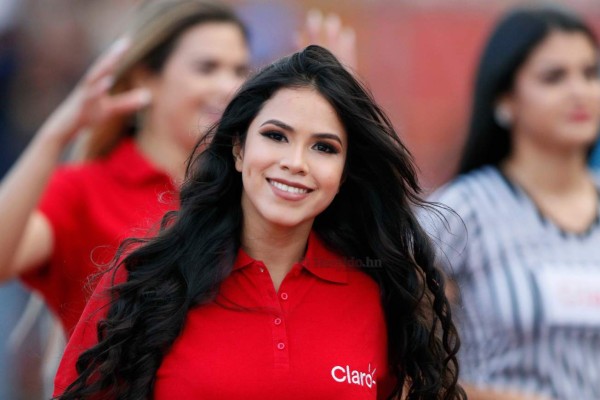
(529, 293)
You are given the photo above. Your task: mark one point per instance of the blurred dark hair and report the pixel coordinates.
(372, 217)
(513, 39)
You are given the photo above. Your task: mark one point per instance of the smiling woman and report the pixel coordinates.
(135, 117)
(291, 162)
(295, 268)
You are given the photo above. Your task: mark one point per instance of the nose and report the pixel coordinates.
(581, 86)
(294, 161)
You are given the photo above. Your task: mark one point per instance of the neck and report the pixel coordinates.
(279, 248)
(165, 155)
(558, 183)
(547, 170)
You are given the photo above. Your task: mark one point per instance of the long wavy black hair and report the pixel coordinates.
(371, 217)
(513, 39)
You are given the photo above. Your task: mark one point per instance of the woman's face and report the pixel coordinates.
(292, 160)
(207, 65)
(555, 101)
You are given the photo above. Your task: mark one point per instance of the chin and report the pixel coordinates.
(286, 221)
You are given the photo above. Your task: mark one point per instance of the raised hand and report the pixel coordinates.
(329, 32)
(90, 102)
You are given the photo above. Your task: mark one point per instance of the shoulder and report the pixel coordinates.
(346, 272)
(470, 186)
(458, 209)
(470, 194)
(72, 186)
(122, 167)
(80, 173)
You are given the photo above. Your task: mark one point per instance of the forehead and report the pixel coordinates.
(223, 40)
(301, 108)
(562, 48)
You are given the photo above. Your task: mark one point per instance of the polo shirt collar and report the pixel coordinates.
(318, 260)
(130, 164)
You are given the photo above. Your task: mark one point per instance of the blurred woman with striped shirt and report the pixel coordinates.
(523, 246)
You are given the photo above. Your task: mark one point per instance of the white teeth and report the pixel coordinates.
(289, 189)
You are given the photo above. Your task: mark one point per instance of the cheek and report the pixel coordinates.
(594, 96)
(186, 86)
(539, 100)
(537, 107)
(255, 159)
(331, 177)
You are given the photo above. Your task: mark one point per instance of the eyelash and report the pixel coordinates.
(319, 146)
(206, 68)
(590, 73)
(274, 135)
(210, 67)
(553, 76)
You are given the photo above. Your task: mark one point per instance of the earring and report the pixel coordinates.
(503, 116)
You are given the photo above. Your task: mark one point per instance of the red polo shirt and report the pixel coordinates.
(91, 207)
(322, 336)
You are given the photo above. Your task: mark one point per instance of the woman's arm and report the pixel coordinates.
(26, 237)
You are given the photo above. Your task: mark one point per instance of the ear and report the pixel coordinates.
(142, 77)
(238, 154)
(504, 111)
(505, 101)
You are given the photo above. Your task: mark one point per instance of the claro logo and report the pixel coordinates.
(353, 377)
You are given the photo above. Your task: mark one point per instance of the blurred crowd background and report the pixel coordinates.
(417, 56)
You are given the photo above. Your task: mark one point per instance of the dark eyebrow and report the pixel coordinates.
(328, 136)
(286, 127)
(278, 123)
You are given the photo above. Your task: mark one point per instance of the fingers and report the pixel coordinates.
(313, 27)
(105, 65)
(330, 33)
(128, 102)
(346, 48)
(332, 26)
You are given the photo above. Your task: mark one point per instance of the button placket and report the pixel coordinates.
(280, 337)
(280, 342)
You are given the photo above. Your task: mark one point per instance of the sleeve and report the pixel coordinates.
(85, 334)
(63, 204)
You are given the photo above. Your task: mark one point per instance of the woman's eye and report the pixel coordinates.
(206, 67)
(242, 72)
(553, 76)
(592, 73)
(276, 136)
(325, 148)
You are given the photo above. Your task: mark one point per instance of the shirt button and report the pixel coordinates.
(281, 346)
(284, 296)
(262, 270)
(277, 321)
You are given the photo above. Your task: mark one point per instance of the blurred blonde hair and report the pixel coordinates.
(154, 32)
